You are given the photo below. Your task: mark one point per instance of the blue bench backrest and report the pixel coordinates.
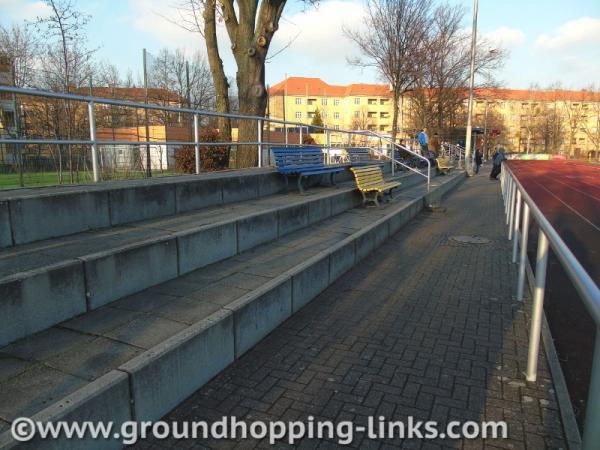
(300, 157)
(359, 153)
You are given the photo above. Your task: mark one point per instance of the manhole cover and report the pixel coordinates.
(478, 240)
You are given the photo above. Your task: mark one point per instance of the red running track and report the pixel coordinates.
(568, 193)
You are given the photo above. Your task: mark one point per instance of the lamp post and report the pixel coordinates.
(471, 85)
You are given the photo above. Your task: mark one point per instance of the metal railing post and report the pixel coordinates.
(515, 228)
(523, 254)
(196, 145)
(538, 306)
(260, 147)
(328, 141)
(591, 430)
(92, 116)
(509, 199)
(300, 140)
(511, 211)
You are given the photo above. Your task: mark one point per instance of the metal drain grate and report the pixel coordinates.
(475, 240)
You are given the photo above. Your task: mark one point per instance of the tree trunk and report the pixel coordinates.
(253, 101)
(395, 99)
(250, 38)
(217, 71)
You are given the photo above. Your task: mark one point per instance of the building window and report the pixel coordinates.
(336, 115)
(336, 102)
(324, 102)
(298, 101)
(381, 127)
(356, 113)
(298, 115)
(383, 101)
(8, 119)
(324, 115)
(357, 100)
(336, 127)
(310, 115)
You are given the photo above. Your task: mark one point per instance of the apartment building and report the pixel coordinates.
(522, 120)
(7, 112)
(364, 106)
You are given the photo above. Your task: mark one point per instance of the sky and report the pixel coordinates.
(548, 41)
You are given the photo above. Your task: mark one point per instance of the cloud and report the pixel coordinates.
(17, 10)
(572, 34)
(317, 34)
(505, 37)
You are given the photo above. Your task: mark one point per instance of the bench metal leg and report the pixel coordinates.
(332, 178)
(287, 183)
(300, 188)
(375, 198)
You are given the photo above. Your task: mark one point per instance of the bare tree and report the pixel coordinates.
(200, 16)
(445, 64)
(22, 48)
(591, 126)
(575, 118)
(66, 65)
(361, 119)
(390, 41)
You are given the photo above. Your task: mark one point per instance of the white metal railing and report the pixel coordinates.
(394, 161)
(94, 143)
(519, 209)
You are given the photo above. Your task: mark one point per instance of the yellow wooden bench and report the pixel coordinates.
(443, 165)
(370, 179)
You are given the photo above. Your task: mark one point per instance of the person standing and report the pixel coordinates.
(498, 158)
(423, 142)
(478, 160)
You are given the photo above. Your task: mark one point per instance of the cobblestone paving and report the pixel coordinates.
(424, 326)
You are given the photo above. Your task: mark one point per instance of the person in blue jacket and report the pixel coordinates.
(498, 158)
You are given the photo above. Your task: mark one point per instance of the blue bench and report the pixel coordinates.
(361, 156)
(303, 162)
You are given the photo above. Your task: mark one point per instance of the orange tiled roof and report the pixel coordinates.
(538, 95)
(316, 86)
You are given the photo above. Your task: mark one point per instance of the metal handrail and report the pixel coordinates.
(406, 149)
(94, 142)
(518, 219)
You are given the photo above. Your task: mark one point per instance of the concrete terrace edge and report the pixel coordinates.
(66, 210)
(87, 282)
(186, 361)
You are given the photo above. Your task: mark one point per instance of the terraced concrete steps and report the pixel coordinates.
(49, 281)
(139, 356)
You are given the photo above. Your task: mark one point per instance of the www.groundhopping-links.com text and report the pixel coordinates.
(25, 429)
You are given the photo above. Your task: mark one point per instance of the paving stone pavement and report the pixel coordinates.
(425, 326)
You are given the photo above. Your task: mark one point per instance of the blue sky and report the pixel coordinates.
(548, 40)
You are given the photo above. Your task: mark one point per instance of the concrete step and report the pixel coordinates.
(46, 282)
(138, 357)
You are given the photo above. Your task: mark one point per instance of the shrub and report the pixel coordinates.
(211, 157)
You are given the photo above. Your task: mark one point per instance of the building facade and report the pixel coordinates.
(535, 121)
(8, 116)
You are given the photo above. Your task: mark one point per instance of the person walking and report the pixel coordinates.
(498, 158)
(478, 160)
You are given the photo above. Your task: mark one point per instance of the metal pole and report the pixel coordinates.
(196, 146)
(300, 138)
(471, 86)
(148, 162)
(92, 116)
(260, 147)
(523, 254)
(516, 227)
(538, 306)
(591, 430)
(511, 211)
